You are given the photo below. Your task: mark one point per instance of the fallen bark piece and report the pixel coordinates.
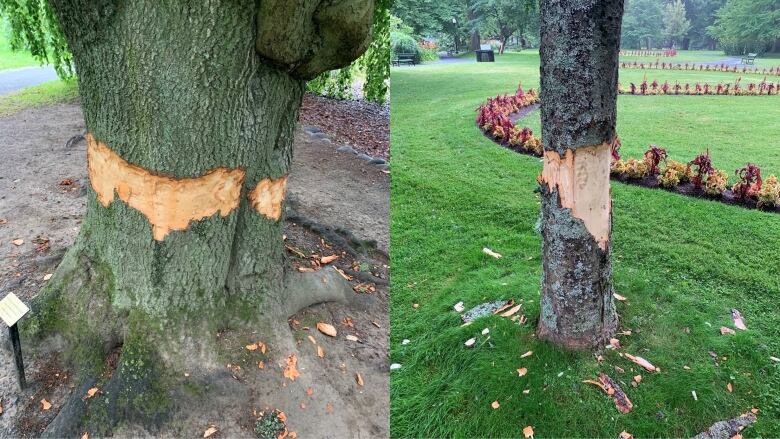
(352, 338)
(459, 307)
(470, 342)
(726, 330)
(611, 388)
(625, 435)
(642, 362)
(327, 329)
(522, 371)
(45, 405)
(615, 343)
(727, 429)
(91, 392)
(47, 276)
(210, 431)
(637, 379)
(528, 432)
(490, 252)
(512, 311)
(359, 379)
(320, 351)
(485, 309)
(291, 371)
(17, 242)
(527, 354)
(737, 317)
(729, 387)
(495, 405)
(618, 297)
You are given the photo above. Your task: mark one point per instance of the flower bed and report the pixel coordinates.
(762, 88)
(658, 65)
(664, 53)
(699, 178)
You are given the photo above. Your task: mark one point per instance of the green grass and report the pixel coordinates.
(10, 59)
(682, 263)
(683, 56)
(48, 93)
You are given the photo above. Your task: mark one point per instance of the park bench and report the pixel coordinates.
(750, 58)
(404, 58)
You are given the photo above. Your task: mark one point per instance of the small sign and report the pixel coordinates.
(12, 309)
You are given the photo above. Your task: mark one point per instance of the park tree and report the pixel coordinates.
(506, 18)
(701, 14)
(676, 25)
(190, 108)
(579, 71)
(642, 23)
(748, 26)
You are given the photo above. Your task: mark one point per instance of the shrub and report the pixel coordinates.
(403, 43)
(636, 168)
(704, 168)
(716, 182)
(749, 182)
(769, 194)
(429, 54)
(534, 145)
(653, 158)
(670, 177)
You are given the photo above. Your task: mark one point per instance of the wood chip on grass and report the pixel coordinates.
(611, 388)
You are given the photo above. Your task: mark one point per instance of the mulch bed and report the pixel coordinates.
(363, 125)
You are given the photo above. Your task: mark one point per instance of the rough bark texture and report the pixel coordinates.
(179, 90)
(579, 69)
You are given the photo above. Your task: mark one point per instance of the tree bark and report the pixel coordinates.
(579, 72)
(190, 108)
(474, 40)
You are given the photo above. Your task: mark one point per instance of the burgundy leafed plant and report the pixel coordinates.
(653, 157)
(749, 182)
(704, 168)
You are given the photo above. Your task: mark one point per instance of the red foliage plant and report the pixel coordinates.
(704, 168)
(616, 148)
(749, 182)
(653, 157)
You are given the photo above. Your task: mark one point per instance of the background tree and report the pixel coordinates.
(507, 18)
(190, 108)
(701, 14)
(744, 26)
(580, 43)
(676, 25)
(642, 24)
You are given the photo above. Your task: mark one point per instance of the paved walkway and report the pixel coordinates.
(16, 79)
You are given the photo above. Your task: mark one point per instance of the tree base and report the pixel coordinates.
(150, 370)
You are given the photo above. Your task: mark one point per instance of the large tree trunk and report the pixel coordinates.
(474, 40)
(580, 42)
(190, 109)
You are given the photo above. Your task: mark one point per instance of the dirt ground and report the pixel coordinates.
(339, 204)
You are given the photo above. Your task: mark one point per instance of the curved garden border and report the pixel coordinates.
(700, 67)
(698, 178)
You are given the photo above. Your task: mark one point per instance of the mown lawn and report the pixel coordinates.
(681, 262)
(766, 60)
(47, 93)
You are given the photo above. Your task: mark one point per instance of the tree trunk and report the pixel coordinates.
(686, 43)
(190, 109)
(474, 40)
(579, 72)
(776, 46)
(503, 45)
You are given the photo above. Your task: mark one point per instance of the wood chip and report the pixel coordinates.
(495, 405)
(251, 347)
(527, 354)
(642, 362)
(312, 340)
(91, 392)
(326, 329)
(261, 364)
(359, 379)
(726, 330)
(625, 435)
(618, 297)
(526, 391)
(490, 252)
(729, 387)
(470, 342)
(528, 432)
(637, 379)
(45, 405)
(615, 343)
(291, 370)
(351, 337)
(210, 431)
(512, 311)
(320, 351)
(522, 371)
(328, 259)
(695, 397)
(775, 359)
(17, 242)
(738, 322)
(459, 307)
(47, 276)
